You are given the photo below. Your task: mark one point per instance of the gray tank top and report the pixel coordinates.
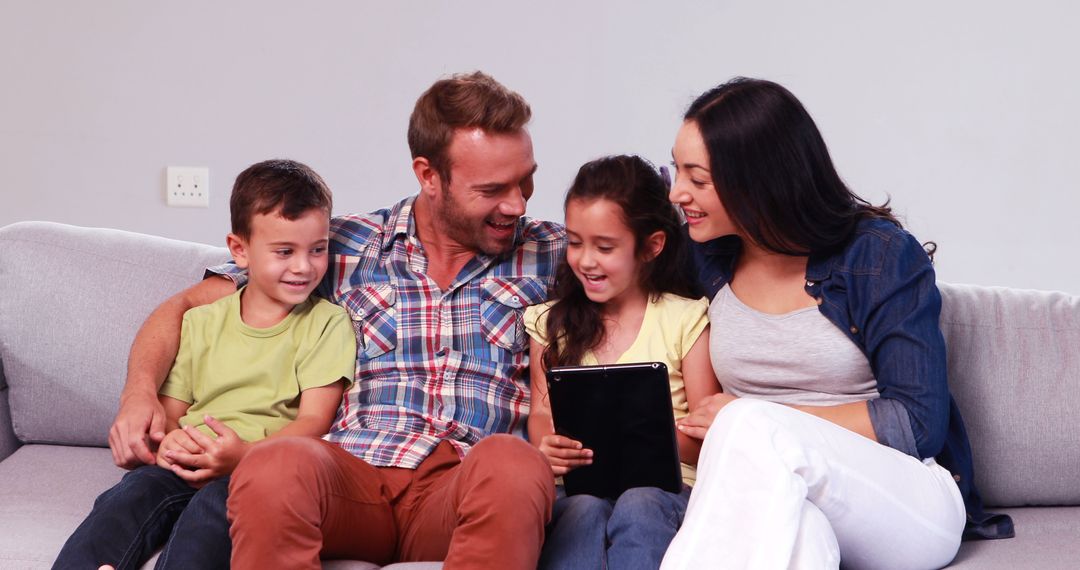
(796, 358)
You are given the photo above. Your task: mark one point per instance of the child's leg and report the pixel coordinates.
(642, 524)
(576, 537)
(128, 521)
(200, 538)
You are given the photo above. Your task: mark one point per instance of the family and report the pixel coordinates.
(357, 386)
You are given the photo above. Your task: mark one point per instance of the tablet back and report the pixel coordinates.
(623, 413)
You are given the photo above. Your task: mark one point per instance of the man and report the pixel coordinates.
(435, 286)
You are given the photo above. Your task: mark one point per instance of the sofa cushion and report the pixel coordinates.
(1014, 369)
(72, 301)
(1046, 537)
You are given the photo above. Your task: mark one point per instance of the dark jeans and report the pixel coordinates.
(149, 507)
(588, 532)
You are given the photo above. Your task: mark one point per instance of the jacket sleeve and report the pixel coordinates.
(906, 350)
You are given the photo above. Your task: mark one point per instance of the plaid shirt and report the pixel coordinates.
(431, 365)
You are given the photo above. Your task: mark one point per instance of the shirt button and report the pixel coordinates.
(810, 283)
(854, 329)
(820, 300)
(516, 299)
(956, 478)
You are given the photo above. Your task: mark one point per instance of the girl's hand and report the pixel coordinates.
(564, 454)
(175, 440)
(219, 457)
(697, 423)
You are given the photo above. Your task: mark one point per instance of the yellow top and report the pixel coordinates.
(671, 326)
(251, 378)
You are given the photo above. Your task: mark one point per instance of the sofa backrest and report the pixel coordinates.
(72, 301)
(1014, 369)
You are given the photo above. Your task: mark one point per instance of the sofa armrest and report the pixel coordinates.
(8, 442)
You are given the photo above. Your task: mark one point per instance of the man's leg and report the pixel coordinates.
(489, 511)
(577, 536)
(295, 498)
(128, 521)
(200, 537)
(642, 524)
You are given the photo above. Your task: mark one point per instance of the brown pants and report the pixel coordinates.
(293, 500)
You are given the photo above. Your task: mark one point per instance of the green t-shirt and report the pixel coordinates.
(251, 378)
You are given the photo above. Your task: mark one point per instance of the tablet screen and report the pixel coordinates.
(623, 413)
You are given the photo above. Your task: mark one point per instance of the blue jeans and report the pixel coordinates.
(149, 507)
(588, 532)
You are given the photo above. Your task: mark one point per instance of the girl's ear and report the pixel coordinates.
(654, 244)
(238, 250)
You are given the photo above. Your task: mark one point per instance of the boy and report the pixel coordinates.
(265, 361)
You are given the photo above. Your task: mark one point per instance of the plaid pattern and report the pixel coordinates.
(431, 365)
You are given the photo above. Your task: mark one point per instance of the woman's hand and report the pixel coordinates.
(697, 422)
(564, 454)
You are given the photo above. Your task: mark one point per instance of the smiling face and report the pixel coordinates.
(491, 178)
(693, 189)
(285, 260)
(602, 252)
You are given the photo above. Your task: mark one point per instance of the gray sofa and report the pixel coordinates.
(71, 300)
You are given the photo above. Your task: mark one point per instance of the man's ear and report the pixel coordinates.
(654, 244)
(238, 249)
(428, 177)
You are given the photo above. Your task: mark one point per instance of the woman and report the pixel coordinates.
(836, 437)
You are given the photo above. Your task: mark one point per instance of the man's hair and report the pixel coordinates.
(264, 187)
(462, 101)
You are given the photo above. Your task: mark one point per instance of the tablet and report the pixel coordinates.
(623, 413)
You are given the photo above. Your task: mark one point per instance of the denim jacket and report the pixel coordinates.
(880, 290)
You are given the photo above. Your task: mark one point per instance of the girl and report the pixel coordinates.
(836, 438)
(623, 295)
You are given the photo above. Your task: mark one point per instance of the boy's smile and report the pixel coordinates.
(285, 260)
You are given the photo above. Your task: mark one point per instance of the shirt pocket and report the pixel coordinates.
(502, 305)
(374, 316)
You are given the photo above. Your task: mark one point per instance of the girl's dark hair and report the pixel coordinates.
(574, 323)
(772, 170)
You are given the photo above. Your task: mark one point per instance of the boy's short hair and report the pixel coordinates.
(288, 185)
(460, 102)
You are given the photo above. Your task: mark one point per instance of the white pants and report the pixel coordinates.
(779, 488)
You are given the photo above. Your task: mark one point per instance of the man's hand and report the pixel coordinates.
(697, 422)
(176, 440)
(137, 430)
(218, 458)
(564, 454)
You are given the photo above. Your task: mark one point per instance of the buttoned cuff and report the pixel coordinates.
(892, 425)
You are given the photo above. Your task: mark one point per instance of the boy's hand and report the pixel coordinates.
(176, 440)
(564, 454)
(219, 457)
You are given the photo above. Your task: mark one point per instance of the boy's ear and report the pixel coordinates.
(654, 244)
(238, 250)
(429, 178)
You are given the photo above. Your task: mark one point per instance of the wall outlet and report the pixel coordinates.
(187, 186)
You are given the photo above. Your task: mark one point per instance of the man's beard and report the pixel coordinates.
(466, 231)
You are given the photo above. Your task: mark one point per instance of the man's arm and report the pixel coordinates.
(140, 423)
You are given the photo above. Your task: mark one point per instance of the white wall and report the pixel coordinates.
(964, 112)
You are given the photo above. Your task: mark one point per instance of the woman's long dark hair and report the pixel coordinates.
(574, 323)
(772, 170)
